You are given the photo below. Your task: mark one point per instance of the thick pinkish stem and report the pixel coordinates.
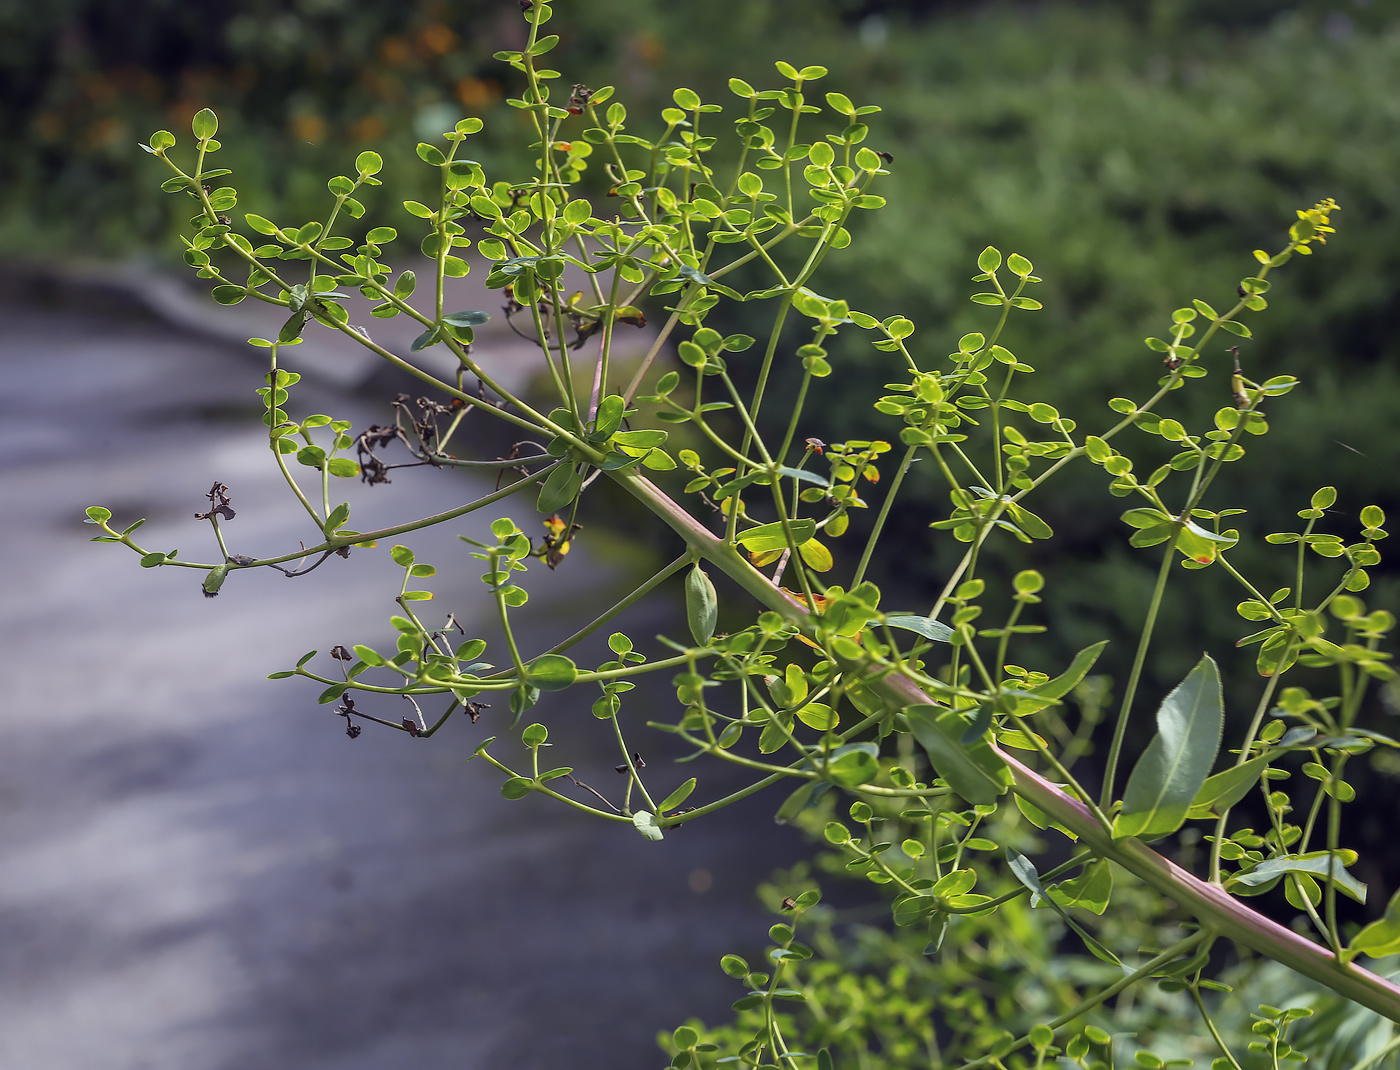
(1210, 904)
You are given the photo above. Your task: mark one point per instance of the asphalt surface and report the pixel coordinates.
(198, 869)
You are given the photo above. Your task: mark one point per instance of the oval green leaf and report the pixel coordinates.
(551, 672)
(560, 488)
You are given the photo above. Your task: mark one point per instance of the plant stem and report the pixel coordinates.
(1205, 1017)
(885, 507)
(1139, 659)
(1145, 970)
(631, 765)
(1265, 701)
(633, 598)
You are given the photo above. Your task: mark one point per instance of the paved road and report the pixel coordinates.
(198, 870)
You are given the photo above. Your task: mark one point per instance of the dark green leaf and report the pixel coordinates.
(1067, 681)
(980, 723)
(228, 295)
(925, 626)
(802, 473)
(466, 319)
(551, 672)
(799, 800)
(431, 337)
(1170, 772)
(1314, 862)
(560, 488)
(975, 772)
(1025, 872)
(1223, 790)
(613, 461)
(701, 605)
(1381, 937)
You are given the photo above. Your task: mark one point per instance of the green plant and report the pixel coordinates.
(913, 715)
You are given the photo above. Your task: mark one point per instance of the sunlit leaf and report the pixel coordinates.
(1167, 777)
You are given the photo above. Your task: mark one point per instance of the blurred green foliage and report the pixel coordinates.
(1136, 153)
(301, 86)
(879, 997)
(1137, 171)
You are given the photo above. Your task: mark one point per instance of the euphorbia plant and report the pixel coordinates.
(918, 717)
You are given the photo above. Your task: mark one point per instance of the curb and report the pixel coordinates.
(143, 291)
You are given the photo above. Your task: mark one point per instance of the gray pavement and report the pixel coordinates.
(198, 869)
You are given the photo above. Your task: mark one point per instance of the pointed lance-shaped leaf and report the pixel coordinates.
(1167, 777)
(1025, 872)
(1068, 680)
(1317, 863)
(805, 796)
(1223, 790)
(678, 796)
(1381, 937)
(975, 771)
(925, 626)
